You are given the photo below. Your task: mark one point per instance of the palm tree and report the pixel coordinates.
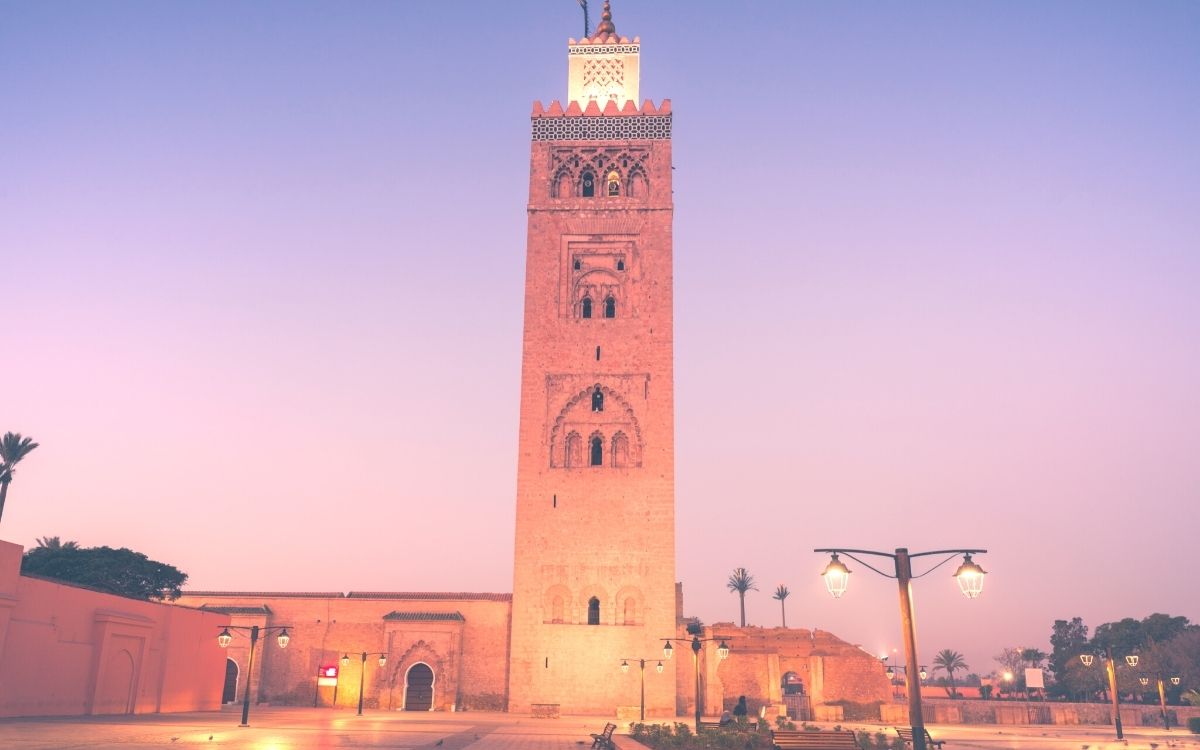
(950, 662)
(741, 581)
(53, 542)
(781, 593)
(13, 448)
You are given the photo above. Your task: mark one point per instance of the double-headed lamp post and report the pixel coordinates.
(722, 653)
(642, 676)
(1111, 667)
(970, 582)
(1162, 696)
(362, 672)
(224, 638)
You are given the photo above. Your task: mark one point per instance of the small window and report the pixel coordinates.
(597, 400)
(614, 184)
(578, 265)
(593, 611)
(620, 265)
(597, 451)
(585, 308)
(610, 307)
(588, 185)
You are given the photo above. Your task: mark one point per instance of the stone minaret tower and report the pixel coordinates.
(594, 574)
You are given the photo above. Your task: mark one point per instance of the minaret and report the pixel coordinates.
(594, 572)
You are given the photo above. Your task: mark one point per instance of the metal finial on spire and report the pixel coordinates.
(606, 26)
(586, 25)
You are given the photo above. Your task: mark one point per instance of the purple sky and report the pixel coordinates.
(262, 268)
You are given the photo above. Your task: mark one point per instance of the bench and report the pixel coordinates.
(544, 710)
(906, 735)
(707, 725)
(745, 726)
(786, 739)
(603, 741)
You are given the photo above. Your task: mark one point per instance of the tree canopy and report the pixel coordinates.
(115, 571)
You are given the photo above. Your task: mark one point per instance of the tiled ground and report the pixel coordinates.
(304, 728)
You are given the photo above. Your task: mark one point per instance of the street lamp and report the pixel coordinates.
(722, 653)
(224, 638)
(1162, 696)
(642, 676)
(1110, 666)
(970, 582)
(362, 672)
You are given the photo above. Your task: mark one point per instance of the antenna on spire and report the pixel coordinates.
(586, 25)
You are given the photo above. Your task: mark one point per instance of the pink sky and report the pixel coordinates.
(936, 276)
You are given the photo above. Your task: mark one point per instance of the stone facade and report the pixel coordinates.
(594, 572)
(462, 638)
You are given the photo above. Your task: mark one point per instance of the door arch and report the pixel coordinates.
(229, 693)
(418, 688)
(114, 694)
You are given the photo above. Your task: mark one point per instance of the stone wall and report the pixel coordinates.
(462, 638)
(947, 711)
(66, 650)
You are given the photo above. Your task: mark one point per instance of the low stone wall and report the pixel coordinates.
(946, 711)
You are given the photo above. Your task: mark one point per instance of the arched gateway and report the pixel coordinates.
(418, 688)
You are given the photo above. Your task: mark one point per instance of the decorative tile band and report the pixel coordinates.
(643, 128)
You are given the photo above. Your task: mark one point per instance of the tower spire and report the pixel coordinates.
(606, 26)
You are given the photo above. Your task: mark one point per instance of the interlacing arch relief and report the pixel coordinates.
(627, 424)
(570, 167)
(597, 285)
(418, 652)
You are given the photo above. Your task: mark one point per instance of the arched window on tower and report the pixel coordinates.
(562, 185)
(613, 184)
(597, 399)
(593, 611)
(630, 617)
(585, 308)
(556, 609)
(587, 185)
(638, 187)
(610, 307)
(597, 451)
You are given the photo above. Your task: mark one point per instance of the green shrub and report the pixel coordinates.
(1194, 724)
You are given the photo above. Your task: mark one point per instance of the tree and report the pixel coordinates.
(1068, 639)
(13, 448)
(781, 593)
(114, 571)
(53, 542)
(741, 581)
(949, 661)
(1012, 661)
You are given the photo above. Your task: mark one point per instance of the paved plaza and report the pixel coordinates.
(297, 728)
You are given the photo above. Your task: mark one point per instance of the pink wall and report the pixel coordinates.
(66, 650)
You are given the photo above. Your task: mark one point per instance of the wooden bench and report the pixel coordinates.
(603, 741)
(785, 739)
(544, 710)
(709, 725)
(906, 734)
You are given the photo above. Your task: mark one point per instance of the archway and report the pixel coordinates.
(418, 688)
(229, 694)
(114, 694)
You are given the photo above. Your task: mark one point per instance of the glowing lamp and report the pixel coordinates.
(224, 638)
(891, 673)
(923, 674)
(283, 638)
(1174, 680)
(970, 577)
(837, 576)
(1132, 660)
(383, 660)
(1144, 681)
(723, 650)
(1087, 659)
(667, 650)
(624, 666)
(346, 660)
(660, 669)
(1008, 676)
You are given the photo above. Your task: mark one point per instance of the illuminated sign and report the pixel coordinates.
(327, 676)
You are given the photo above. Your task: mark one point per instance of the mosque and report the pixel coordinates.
(596, 452)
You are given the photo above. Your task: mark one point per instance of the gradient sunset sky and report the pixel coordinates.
(937, 276)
